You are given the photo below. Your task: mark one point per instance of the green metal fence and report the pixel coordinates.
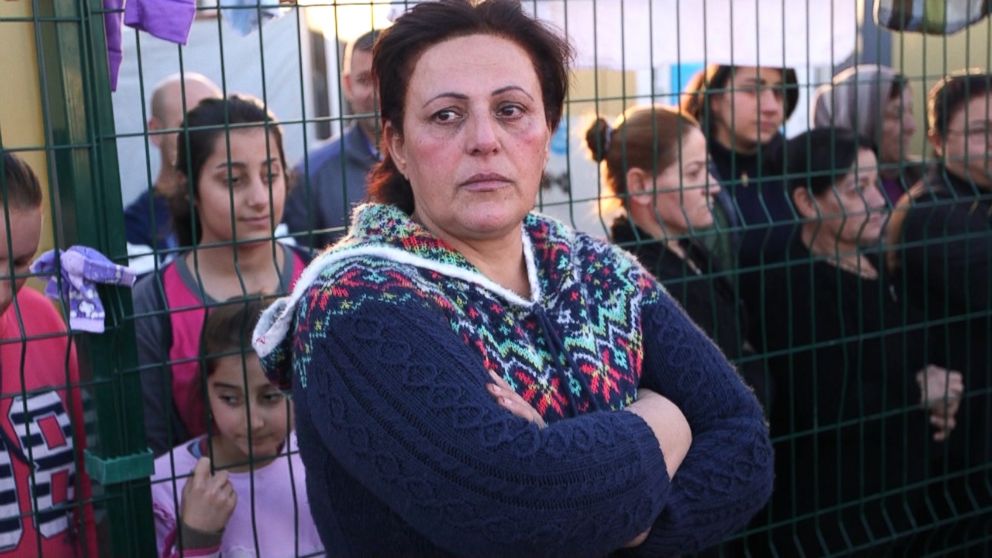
(94, 137)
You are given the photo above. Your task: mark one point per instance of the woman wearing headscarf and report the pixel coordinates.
(876, 102)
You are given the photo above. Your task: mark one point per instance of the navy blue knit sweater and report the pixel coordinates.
(389, 337)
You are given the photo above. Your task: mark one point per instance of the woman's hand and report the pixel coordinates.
(511, 401)
(208, 500)
(940, 393)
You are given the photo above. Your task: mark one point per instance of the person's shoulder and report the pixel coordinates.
(326, 153)
(597, 262)
(139, 205)
(348, 280)
(938, 205)
(149, 291)
(174, 463)
(39, 311)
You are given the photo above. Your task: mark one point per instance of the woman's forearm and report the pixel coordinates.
(668, 424)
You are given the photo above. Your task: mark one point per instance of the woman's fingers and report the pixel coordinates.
(511, 401)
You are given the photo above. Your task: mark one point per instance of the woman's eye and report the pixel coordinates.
(273, 398)
(446, 115)
(229, 400)
(510, 111)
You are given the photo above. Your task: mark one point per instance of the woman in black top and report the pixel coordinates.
(848, 360)
(741, 111)
(942, 256)
(656, 165)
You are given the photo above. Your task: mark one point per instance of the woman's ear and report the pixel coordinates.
(804, 202)
(639, 183)
(393, 141)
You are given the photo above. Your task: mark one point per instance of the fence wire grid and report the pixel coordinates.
(809, 180)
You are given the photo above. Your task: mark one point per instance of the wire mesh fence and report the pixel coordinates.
(810, 181)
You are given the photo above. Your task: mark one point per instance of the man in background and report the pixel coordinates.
(148, 220)
(331, 178)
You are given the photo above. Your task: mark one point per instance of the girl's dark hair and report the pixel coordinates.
(950, 94)
(715, 80)
(20, 188)
(818, 158)
(202, 127)
(645, 137)
(400, 46)
(226, 331)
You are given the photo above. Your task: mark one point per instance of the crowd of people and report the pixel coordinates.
(783, 341)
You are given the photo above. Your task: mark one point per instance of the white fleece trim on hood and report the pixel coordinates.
(275, 321)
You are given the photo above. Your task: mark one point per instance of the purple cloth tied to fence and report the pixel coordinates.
(81, 269)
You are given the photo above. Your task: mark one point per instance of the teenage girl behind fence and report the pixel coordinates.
(231, 157)
(240, 489)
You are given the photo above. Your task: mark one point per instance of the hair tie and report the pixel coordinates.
(607, 139)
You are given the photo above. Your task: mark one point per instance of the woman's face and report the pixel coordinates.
(751, 110)
(966, 145)
(853, 212)
(898, 127)
(684, 190)
(475, 138)
(251, 414)
(248, 180)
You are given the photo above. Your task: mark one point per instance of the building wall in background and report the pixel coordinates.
(21, 124)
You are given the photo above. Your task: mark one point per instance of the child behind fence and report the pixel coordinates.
(239, 490)
(43, 509)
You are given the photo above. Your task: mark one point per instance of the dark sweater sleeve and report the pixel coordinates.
(400, 402)
(727, 475)
(957, 252)
(163, 429)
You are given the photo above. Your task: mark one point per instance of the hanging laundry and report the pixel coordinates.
(169, 20)
(112, 20)
(74, 279)
(245, 16)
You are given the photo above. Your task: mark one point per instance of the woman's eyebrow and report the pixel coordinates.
(224, 164)
(508, 88)
(226, 385)
(451, 95)
(464, 97)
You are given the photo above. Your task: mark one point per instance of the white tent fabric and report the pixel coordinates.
(641, 34)
(644, 34)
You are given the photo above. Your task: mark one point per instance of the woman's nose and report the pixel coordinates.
(255, 420)
(482, 138)
(712, 185)
(908, 124)
(769, 102)
(258, 195)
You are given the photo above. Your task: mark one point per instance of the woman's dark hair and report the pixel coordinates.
(20, 188)
(715, 80)
(645, 137)
(202, 127)
(818, 158)
(429, 23)
(951, 93)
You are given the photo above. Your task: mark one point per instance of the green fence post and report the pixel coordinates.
(87, 209)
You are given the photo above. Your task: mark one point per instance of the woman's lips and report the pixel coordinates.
(257, 221)
(484, 182)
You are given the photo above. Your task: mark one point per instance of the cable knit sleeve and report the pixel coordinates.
(391, 396)
(727, 475)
